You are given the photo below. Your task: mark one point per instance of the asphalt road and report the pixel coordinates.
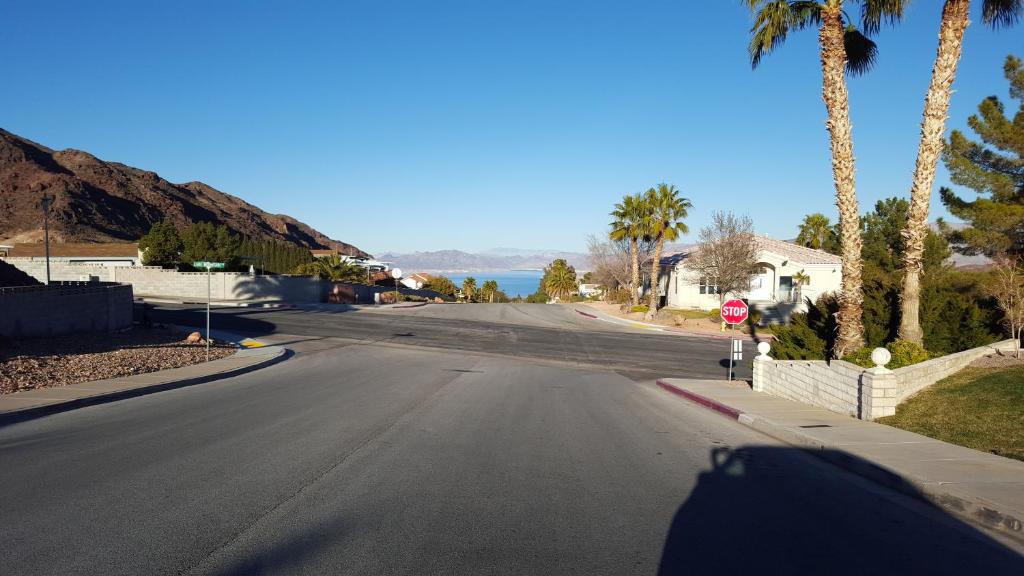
(356, 457)
(533, 331)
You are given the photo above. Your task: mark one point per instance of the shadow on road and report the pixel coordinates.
(739, 520)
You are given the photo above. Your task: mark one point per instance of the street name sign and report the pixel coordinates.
(735, 311)
(208, 265)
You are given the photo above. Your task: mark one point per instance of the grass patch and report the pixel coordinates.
(687, 314)
(980, 408)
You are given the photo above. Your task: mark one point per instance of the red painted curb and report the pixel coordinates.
(582, 313)
(704, 401)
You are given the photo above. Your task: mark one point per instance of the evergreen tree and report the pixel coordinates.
(994, 169)
(204, 241)
(162, 246)
(443, 285)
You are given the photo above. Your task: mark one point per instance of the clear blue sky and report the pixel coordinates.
(471, 124)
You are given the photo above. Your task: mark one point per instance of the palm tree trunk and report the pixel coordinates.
(652, 307)
(837, 102)
(933, 126)
(634, 252)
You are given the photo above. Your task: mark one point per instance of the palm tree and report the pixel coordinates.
(800, 279)
(489, 289)
(842, 49)
(667, 210)
(561, 282)
(955, 15)
(469, 288)
(815, 231)
(631, 223)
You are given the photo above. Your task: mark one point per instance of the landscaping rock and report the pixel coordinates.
(194, 338)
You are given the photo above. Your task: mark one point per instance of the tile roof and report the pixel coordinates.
(795, 252)
(77, 250)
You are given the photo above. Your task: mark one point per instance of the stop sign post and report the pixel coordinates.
(735, 312)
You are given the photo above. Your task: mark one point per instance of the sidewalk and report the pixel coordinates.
(30, 404)
(241, 303)
(978, 487)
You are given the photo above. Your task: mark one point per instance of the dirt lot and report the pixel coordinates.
(47, 362)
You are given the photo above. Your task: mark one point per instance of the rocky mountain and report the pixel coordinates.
(490, 261)
(99, 201)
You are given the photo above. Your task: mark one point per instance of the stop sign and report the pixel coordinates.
(735, 311)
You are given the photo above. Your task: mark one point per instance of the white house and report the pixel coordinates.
(772, 289)
(416, 281)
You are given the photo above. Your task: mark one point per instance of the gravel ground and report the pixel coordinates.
(998, 361)
(49, 362)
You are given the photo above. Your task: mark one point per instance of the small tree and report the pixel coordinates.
(162, 246)
(726, 254)
(1007, 287)
(559, 280)
(443, 285)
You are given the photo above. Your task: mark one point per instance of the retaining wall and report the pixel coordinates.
(849, 389)
(33, 311)
(155, 281)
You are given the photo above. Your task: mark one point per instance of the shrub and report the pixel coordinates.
(639, 308)
(906, 353)
(903, 354)
(861, 357)
(797, 341)
(715, 315)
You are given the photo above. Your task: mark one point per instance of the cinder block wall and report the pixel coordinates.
(52, 310)
(61, 269)
(849, 389)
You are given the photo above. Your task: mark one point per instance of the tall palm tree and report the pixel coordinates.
(667, 209)
(469, 288)
(815, 231)
(489, 289)
(631, 223)
(561, 282)
(955, 15)
(842, 49)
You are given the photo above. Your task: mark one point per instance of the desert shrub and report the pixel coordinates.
(639, 308)
(903, 354)
(715, 315)
(619, 296)
(797, 341)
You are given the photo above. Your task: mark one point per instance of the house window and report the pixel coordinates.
(706, 287)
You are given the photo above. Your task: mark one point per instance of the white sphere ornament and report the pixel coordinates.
(396, 273)
(881, 357)
(764, 348)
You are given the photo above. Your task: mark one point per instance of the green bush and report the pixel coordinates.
(797, 341)
(903, 354)
(639, 308)
(715, 315)
(861, 357)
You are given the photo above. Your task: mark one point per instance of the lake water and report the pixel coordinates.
(511, 282)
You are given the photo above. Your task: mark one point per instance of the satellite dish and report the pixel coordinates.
(396, 273)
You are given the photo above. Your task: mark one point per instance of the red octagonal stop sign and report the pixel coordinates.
(735, 311)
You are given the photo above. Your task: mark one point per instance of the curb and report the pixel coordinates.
(34, 412)
(974, 510)
(411, 305)
(658, 327)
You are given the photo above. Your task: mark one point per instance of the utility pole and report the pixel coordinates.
(47, 202)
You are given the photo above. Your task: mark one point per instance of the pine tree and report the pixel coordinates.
(993, 168)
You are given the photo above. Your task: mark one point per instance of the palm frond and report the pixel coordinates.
(1001, 13)
(874, 13)
(773, 21)
(861, 52)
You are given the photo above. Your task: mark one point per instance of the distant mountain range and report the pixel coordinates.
(494, 260)
(98, 201)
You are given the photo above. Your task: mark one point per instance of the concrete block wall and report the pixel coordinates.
(849, 389)
(150, 281)
(61, 269)
(814, 382)
(911, 379)
(39, 311)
